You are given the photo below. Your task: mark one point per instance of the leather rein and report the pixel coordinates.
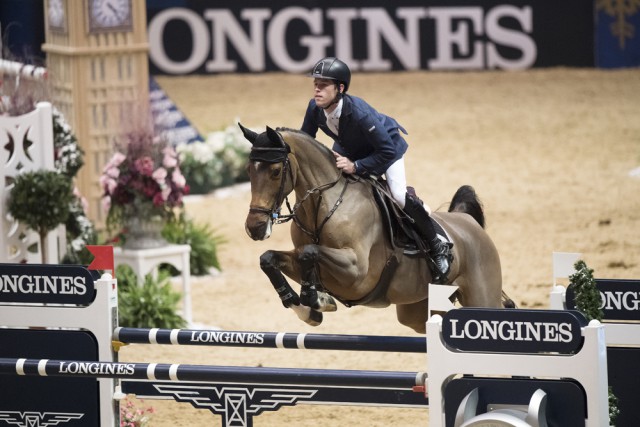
(274, 211)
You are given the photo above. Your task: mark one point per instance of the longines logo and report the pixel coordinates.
(27, 284)
(620, 298)
(227, 337)
(513, 331)
(36, 419)
(96, 368)
(65, 284)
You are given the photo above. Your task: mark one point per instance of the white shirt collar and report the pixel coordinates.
(333, 118)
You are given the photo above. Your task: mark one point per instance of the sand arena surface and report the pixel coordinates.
(549, 152)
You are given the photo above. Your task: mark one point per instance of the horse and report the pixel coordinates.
(341, 249)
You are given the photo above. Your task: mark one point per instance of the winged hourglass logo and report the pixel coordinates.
(237, 405)
(36, 419)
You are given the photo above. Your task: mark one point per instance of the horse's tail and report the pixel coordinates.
(466, 200)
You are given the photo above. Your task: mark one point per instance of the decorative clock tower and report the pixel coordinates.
(97, 55)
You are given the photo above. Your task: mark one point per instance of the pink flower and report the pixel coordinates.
(170, 158)
(144, 165)
(106, 203)
(118, 158)
(113, 172)
(178, 179)
(108, 184)
(165, 193)
(160, 175)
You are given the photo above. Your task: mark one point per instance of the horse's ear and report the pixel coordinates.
(275, 137)
(248, 133)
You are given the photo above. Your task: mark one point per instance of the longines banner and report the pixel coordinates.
(620, 299)
(204, 37)
(513, 331)
(45, 283)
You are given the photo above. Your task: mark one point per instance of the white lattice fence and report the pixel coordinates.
(26, 144)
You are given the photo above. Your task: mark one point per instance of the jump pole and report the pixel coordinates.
(284, 340)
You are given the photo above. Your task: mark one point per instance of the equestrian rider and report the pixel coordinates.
(367, 142)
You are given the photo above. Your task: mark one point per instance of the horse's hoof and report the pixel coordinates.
(307, 314)
(315, 318)
(326, 303)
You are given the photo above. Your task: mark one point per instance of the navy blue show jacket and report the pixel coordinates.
(370, 139)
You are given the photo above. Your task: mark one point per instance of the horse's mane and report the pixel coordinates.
(308, 139)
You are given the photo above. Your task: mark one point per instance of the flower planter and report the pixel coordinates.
(144, 233)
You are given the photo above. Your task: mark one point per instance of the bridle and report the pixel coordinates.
(274, 211)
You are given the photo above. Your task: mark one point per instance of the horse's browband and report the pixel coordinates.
(262, 154)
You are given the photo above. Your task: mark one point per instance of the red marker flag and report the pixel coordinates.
(103, 258)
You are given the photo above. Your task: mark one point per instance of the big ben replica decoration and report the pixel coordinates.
(97, 56)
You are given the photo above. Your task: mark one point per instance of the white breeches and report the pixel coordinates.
(397, 181)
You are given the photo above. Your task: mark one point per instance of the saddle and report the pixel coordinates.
(399, 225)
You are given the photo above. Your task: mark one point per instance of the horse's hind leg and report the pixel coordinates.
(271, 263)
(309, 293)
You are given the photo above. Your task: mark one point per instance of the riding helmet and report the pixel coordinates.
(334, 69)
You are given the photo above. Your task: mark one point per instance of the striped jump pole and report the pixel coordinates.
(206, 373)
(286, 340)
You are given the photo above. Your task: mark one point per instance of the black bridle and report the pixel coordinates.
(273, 155)
(281, 155)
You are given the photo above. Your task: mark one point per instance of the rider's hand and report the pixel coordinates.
(344, 164)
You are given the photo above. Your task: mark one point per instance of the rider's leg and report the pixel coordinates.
(440, 251)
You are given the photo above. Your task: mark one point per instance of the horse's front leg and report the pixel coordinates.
(273, 263)
(310, 295)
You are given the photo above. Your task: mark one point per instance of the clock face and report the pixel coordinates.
(109, 15)
(56, 14)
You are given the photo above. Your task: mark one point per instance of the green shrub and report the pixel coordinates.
(149, 305)
(202, 240)
(40, 200)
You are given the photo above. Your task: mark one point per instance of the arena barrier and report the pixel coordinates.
(621, 309)
(477, 368)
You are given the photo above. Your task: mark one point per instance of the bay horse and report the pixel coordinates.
(341, 249)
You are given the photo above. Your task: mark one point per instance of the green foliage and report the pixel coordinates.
(202, 240)
(69, 157)
(41, 200)
(588, 299)
(614, 411)
(149, 305)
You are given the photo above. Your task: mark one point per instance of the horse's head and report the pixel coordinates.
(271, 179)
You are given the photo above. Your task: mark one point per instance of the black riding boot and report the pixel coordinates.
(440, 251)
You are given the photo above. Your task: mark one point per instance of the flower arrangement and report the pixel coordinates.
(142, 180)
(217, 162)
(130, 416)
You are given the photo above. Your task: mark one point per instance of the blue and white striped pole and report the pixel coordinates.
(272, 340)
(206, 373)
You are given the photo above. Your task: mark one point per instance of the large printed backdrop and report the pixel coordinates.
(550, 152)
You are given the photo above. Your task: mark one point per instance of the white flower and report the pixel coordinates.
(215, 140)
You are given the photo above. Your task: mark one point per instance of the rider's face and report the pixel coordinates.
(324, 92)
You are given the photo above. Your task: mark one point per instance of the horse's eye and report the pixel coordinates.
(275, 172)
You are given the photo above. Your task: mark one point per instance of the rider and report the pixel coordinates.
(367, 142)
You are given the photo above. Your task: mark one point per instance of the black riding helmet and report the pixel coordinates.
(334, 69)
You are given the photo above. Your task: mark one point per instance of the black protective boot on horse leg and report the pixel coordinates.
(311, 292)
(440, 251)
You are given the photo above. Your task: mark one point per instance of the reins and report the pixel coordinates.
(315, 235)
(274, 211)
